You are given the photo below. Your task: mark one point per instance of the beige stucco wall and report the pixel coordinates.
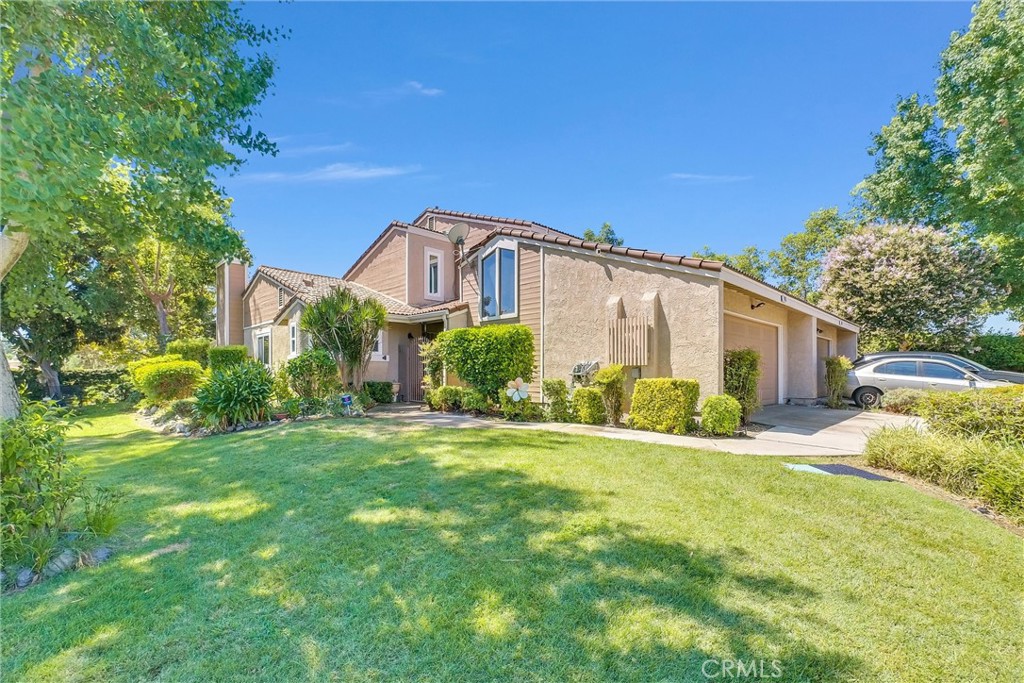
(577, 287)
(383, 269)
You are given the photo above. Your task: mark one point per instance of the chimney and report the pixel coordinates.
(230, 285)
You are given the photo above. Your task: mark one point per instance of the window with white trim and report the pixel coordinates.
(293, 338)
(498, 282)
(433, 267)
(379, 348)
(263, 348)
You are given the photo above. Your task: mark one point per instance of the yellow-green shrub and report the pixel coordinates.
(611, 380)
(137, 368)
(487, 358)
(996, 414)
(169, 381)
(588, 406)
(222, 357)
(720, 415)
(664, 405)
(191, 349)
(742, 370)
(556, 393)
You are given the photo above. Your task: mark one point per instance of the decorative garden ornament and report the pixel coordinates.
(518, 390)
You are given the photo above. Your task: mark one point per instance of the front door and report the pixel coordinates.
(824, 351)
(410, 370)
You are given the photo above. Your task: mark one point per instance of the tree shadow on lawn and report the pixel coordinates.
(385, 557)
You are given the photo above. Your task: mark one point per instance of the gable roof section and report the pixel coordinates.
(518, 222)
(393, 225)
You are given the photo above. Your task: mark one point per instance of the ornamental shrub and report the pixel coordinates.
(742, 372)
(1000, 351)
(720, 415)
(433, 365)
(379, 392)
(995, 414)
(521, 411)
(221, 357)
(903, 400)
(168, 381)
(588, 406)
(664, 405)
(611, 380)
(447, 398)
(474, 401)
(836, 368)
(489, 357)
(137, 368)
(312, 374)
(191, 349)
(557, 395)
(982, 468)
(236, 394)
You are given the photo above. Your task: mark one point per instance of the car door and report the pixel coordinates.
(896, 374)
(940, 376)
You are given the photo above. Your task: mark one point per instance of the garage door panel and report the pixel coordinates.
(747, 334)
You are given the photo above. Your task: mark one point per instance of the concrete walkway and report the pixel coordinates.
(794, 430)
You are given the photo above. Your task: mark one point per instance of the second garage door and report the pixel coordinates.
(747, 334)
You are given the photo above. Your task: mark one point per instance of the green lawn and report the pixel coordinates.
(357, 550)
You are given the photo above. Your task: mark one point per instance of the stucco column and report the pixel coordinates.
(847, 343)
(801, 356)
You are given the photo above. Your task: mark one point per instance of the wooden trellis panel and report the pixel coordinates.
(627, 341)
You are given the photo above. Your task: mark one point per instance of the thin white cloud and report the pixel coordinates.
(340, 172)
(310, 150)
(400, 92)
(707, 178)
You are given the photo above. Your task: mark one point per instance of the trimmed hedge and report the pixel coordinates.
(380, 392)
(1000, 351)
(588, 406)
(191, 349)
(988, 470)
(137, 368)
(611, 380)
(996, 414)
(742, 371)
(221, 357)
(664, 405)
(557, 395)
(903, 400)
(168, 381)
(489, 357)
(720, 415)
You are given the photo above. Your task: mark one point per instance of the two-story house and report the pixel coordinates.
(659, 315)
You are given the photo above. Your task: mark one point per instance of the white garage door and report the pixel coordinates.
(746, 334)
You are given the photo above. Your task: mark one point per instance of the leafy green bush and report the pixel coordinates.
(557, 395)
(282, 390)
(1000, 351)
(292, 407)
(168, 381)
(447, 398)
(84, 387)
(664, 405)
(720, 415)
(191, 349)
(37, 483)
(312, 374)
(521, 411)
(996, 414)
(237, 394)
(137, 369)
(474, 401)
(742, 372)
(903, 400)
(221, 357)
(380, 392)
(611, 380)
(836, 368)
(487, 358)
(588, 406)
(988, 470)
(433, 365)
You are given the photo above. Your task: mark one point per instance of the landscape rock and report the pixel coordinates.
(63, 562)
(100, 555)
(25, 577)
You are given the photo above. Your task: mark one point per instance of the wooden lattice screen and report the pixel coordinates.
(627, 341)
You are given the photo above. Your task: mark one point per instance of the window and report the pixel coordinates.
(263, 349)
(901, 367)
(941, 371)
(433, 266)
(280, 297)
(498, 283)
(293, 338)
(379, 348)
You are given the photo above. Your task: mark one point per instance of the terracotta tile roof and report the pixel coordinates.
(491, 219)
(311, 287)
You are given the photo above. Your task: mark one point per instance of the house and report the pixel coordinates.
(659, 315)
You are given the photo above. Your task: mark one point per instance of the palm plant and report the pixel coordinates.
(347, 328)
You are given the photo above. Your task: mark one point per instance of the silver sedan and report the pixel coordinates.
(866, 383)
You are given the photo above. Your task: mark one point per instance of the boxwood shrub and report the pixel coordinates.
(611, 380)
(236, 394)
(742, 372)
(175, 379)
(720, 415)
(447, 398)
(664, 405)
(588, 406)
(137, 368)
(996, 414)
(556, 393)
(902, 400)
(191, 349)
(221, 357)
(379, 392)
(489, 357)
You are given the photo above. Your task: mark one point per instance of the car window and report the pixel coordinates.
(940, 371)
(899, 367)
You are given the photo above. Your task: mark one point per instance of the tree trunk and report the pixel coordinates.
(52, 378)
(10, 402)
(161, 319)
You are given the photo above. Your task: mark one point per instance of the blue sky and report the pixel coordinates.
(683, 125)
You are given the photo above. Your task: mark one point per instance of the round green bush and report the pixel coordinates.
(447, 398)
(138, 368)
(191, 349)
(379, 392)
(720, 415)
(171, 380)
(664, 404)
(237, 394)
(556, 393)
(312, 374)
(588, 406)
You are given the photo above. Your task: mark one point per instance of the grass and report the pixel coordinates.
(356, 550)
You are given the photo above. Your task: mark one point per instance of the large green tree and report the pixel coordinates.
(165, 88)
(604, 235)
(796, 265)
(749, 260)
(346, 327)
(956, 160)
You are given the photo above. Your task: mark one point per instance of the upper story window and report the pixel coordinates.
(433, 266)
(498, 282)
(293, 338)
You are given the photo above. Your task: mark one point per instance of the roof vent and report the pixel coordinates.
(307, 282)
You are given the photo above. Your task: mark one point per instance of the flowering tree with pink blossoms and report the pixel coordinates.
(910, 288)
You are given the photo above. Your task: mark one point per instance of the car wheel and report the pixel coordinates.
(867, 397)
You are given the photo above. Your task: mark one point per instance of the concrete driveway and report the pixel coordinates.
(793, 430)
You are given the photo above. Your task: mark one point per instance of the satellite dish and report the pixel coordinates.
(458, 233)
